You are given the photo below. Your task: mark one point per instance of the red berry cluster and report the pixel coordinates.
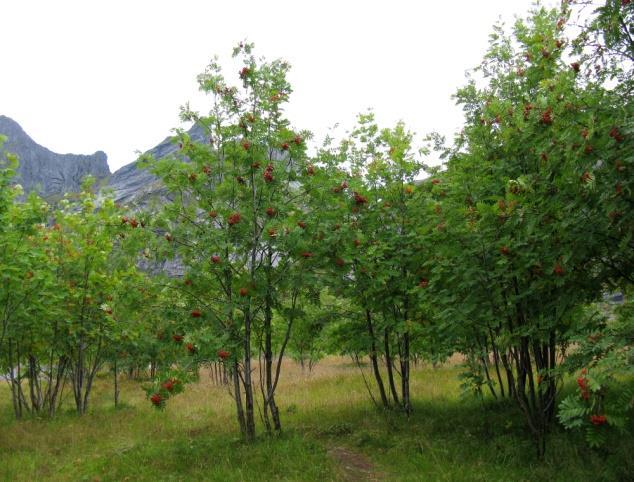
(582, 381)
(196, 314)
(233, 219)
(132, 222)
(170, 384)
(558, 270)
(615, 134)
(618, 189)
(547, 116)
(527, 110)
(586, 177)
(359, 199)
(268, 173)
(223, 354)
(598, 419)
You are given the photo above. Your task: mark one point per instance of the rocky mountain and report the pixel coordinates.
(49, 173)
(45, 171)
(136, 187)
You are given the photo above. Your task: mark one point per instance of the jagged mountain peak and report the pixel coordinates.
(45, 171)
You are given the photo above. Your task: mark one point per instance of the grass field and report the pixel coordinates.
(332, 432)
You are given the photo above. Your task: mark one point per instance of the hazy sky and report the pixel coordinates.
(81, 76)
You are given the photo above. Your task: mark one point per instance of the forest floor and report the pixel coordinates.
(331, 432)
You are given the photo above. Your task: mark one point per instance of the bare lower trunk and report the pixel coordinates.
(269, 398)
(237, 395)
(390, 368)
(405, 366)
(247, 382)
(375, 362)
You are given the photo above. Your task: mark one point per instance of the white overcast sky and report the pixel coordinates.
(81, 76)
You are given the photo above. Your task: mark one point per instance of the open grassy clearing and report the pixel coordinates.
(332, 432)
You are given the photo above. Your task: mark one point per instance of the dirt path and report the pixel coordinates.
(354, 467)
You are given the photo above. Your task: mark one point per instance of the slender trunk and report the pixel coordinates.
(496, 359)
(19, 384)
(14, 393)
(237, 395)
(248, 385)
(269, 400)
(510, 379)
(405, 374)
(374, 360)
(59, 384)
(388, 364)
(484, 359)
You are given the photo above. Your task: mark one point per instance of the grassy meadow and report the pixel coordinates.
(331, 432)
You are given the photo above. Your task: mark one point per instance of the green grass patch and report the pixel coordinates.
(447, 437)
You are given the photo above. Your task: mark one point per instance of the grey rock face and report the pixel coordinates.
(135, 186)
(47, 172)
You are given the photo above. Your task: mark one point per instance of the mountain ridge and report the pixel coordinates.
(47, 172)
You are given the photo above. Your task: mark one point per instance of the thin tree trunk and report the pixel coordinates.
(388, 364)
(374, 360)
(248, 385)
(237, 395)
(269, 400)
(405, 366)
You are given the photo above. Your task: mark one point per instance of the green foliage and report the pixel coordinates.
(604, 354)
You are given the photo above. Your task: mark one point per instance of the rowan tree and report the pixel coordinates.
(237, 222)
